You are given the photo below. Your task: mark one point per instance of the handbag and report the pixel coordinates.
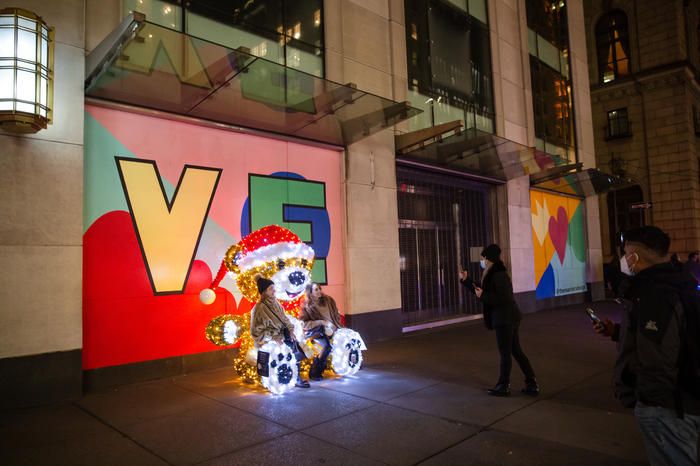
(263, 363)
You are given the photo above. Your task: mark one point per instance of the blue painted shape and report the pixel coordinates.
(320, 226)
(545, 288)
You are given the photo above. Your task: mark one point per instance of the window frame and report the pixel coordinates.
(618, 134)
(605, 28)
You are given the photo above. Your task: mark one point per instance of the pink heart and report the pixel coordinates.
(559, 232)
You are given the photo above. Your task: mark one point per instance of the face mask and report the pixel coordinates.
(625, 267)
(482, 262)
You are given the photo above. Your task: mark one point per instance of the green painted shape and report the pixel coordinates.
(102, 188)
(318, 273)
(576, 236)
(268, 197)
(103, 191)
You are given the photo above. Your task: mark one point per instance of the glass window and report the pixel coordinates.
(549, 54)
(449, 62)
(304, 57)
(552, 106)
(167, 14)
(449, 50)
(256, 16)
(618, 123)
(288, 32)
(548, 18)
(612, 44)
(548, 44)
(303, 21)
(234, 37)
(477, 8)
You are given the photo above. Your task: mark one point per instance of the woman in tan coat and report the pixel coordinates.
(321, 319)
(268, 321)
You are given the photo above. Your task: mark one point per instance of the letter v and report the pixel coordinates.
(168, 232)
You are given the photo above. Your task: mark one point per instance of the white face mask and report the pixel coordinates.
(482, 262)
(625, 267)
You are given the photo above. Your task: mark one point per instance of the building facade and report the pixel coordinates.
(643, 61)
(200, 123)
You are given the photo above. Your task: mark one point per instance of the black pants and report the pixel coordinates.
(319, 364)
(508, 342)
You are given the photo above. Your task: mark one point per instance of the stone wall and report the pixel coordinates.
(660, 96)
(366, 45)
(41, 186)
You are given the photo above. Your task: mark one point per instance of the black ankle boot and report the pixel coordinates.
(316, 371)
(301, 383)
(501, 389)
(531, 387)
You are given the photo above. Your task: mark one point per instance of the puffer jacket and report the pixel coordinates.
(646, 369)
(500, 308)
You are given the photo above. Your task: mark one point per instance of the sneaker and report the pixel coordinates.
(501, 389)
(302, 384)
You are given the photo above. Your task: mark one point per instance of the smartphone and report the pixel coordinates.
(591, 315)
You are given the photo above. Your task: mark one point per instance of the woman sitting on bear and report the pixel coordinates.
(268, 321)
(321, 319)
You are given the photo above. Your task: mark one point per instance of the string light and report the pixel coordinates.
(346, 352)
(225, 329)
(281, 366)
(277, 254)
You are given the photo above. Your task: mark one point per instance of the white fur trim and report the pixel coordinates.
(274, 252)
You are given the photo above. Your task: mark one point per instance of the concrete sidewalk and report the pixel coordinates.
(420, 399)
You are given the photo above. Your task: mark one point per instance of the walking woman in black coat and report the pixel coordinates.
(501, 314)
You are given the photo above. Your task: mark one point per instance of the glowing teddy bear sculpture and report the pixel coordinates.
(279, 255)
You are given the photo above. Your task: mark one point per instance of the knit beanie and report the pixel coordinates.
(263, 284)
(492, 252)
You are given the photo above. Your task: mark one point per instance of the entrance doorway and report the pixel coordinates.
(444, 222)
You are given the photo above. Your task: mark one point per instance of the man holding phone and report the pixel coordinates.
(649, 340)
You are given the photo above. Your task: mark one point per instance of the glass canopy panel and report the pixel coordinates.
(480, 153)
(162, 69)
(584, 183)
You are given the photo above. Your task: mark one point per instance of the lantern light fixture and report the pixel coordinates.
(26, 71)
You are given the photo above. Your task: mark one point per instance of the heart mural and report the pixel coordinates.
(559, 232)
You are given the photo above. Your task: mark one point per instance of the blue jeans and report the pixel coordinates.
(668, 439)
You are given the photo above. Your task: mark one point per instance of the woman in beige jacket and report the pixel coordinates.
(321, 319)
(268, 321)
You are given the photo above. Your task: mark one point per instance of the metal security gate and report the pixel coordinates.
(442, 221)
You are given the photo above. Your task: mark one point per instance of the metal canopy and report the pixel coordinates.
(146, 65)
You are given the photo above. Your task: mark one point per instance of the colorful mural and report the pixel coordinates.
(163, 201)
(559, 244)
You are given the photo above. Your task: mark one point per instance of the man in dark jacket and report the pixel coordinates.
(649, 340)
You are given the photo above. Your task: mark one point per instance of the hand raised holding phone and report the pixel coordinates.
(602, 327)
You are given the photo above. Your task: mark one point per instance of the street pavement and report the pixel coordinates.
(419, 399)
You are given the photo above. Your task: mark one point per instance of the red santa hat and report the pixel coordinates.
(270, 243)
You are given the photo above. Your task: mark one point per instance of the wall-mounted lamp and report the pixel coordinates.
(26, 71)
